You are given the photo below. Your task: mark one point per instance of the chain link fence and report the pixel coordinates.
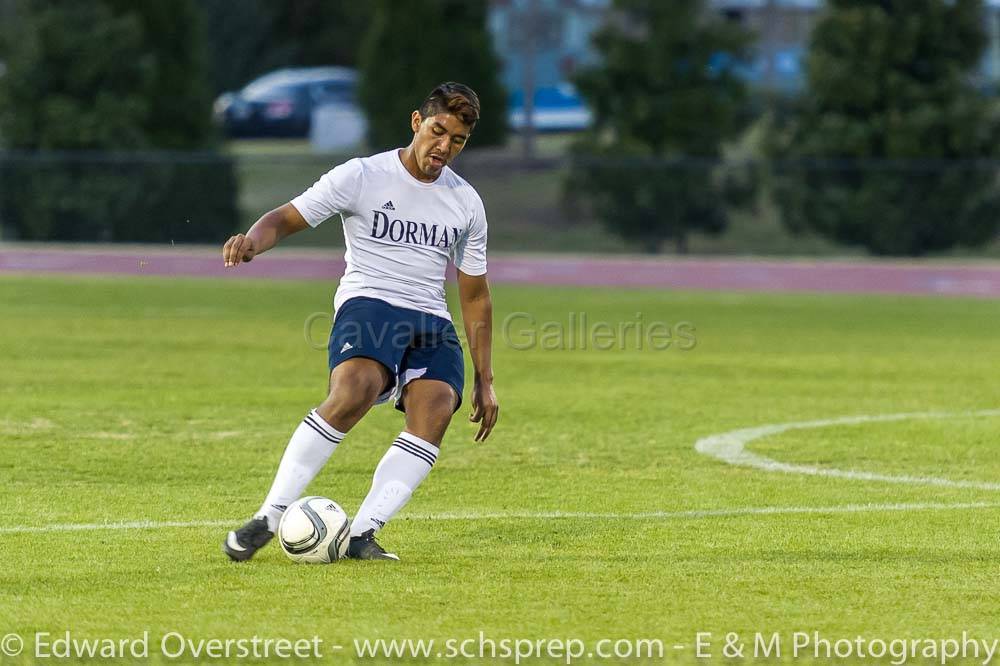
(799, 207)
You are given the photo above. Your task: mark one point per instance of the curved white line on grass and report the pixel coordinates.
(730, 447)
(693, 514)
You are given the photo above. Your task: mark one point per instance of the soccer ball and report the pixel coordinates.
(315, 530)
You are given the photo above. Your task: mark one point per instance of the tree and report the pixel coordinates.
(87, 86)
(107, 74)
(61, 92)
(665, 97)
(253, 37)
(882, 151)
(411, 47)
(175, 42)
(322, 32)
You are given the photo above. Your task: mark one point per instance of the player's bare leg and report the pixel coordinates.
(429, 405)
(355, 384)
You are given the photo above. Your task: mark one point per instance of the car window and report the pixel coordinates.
(332, 91)
(266, 82)
(269, 93)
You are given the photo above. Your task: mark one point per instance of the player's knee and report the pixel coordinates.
(441, 411)
(351, 395)
(434, 419)
(343, 413)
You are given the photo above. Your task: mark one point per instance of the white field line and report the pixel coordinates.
(693, 514)
(730, 447)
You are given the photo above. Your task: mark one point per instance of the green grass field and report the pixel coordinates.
(170, 400)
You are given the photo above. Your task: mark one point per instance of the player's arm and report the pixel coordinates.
(477, 314)
(263, 235)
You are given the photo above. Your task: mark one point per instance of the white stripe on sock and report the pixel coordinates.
(332, 433)
(421, 445)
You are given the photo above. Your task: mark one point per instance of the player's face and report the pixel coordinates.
(437, 140)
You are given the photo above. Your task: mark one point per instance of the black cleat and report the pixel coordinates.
(244, 542)
(365, 547)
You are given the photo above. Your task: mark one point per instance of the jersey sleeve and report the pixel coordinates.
(470, 252)
(335, 192)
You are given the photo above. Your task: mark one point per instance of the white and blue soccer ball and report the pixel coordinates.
(314, 530)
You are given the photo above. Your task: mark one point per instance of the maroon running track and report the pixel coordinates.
(889, 277)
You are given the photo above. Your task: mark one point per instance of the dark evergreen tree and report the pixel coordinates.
(60, 91)
(413, 46)
(322, 32)
(87, 85)
(665, 97)
(886, 146)
(252, 37)
(175, 45)
(241, 42)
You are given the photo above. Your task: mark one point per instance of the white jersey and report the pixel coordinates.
(400, 232)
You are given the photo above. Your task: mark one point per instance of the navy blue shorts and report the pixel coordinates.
(409, 343)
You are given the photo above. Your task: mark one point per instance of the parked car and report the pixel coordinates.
(281, 102)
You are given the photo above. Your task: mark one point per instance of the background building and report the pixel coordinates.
(782, 27)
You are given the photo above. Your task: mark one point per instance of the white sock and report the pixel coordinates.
(402, 468)
(307, 451)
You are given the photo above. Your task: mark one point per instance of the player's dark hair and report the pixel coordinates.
(454, 98)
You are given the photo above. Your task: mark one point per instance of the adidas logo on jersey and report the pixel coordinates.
(347, 345)
(388, 206)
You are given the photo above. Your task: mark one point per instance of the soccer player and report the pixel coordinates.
(405, 214)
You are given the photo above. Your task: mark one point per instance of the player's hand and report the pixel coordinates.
(485, 409)
(237, 249)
